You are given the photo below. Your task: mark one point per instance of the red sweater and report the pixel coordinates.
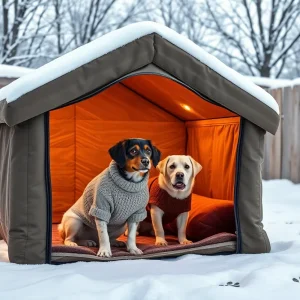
(172, 207)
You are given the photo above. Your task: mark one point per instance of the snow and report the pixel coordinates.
(260, 276)
(119, 38)
(274, 83)
(268, 82)
(292, 83)
(8, 71)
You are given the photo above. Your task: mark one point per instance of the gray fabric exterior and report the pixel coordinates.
(111, 198)
(23, 207)
(250, 211)
(150, 49)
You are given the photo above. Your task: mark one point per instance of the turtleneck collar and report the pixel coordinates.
(126, 185)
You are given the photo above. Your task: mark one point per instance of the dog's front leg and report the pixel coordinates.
(131, 239)
(181, 227)
(104, 249)
(156, 217)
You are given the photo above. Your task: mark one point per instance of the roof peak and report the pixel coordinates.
(119, 38)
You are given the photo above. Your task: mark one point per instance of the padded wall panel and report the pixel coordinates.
(213, 143)
(23, 201)
(253, 237)
(62, 160)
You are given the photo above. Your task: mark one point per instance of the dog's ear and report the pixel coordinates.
(161, 167)
(196, 166)
(156, 154)
(118, 153)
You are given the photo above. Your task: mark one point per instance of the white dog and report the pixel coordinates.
(170, 195)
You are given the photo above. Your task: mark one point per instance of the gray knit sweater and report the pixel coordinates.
(113, 199)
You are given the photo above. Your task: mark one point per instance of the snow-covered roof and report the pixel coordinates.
(117, 39)
(8, 71)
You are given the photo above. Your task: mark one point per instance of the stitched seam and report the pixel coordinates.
(26, 239)
(262, 232)
(154, 47)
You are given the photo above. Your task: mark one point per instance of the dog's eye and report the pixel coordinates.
(172, 167)
(133, 152)
(148, 151)
(187, 167)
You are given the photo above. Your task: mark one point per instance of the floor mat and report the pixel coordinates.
(145, 243)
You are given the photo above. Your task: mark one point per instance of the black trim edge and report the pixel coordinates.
(48, 192)
(103, 88)
(236, 188)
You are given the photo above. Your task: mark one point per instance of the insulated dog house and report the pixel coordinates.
(143, 80)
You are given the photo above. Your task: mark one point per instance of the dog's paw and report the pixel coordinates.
(104, 252)
(116, 243)
(70, 243)
(185, 242)
(135, 251)
(161, 242)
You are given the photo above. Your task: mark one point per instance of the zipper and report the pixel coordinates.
(236, 188)
(48, 191)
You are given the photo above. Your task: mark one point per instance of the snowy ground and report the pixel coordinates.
(267, 276)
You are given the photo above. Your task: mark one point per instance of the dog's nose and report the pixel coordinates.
(179, 175)
(145, 162)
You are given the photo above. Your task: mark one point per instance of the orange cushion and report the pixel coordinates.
(207, 217)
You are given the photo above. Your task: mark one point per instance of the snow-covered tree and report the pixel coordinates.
(184, 16)
(81, 21)
(33, 32)
(25, 26)
(255, 36)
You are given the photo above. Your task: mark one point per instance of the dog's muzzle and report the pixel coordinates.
(179, 184)
(144, 166)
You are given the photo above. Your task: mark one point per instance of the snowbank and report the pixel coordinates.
(7, 71)
(265, 276)
(119, 38)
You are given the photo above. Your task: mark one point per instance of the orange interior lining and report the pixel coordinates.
(214, 144)
(175, 98)
(81, 134)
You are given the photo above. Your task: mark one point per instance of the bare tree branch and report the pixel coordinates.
(270, 32)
